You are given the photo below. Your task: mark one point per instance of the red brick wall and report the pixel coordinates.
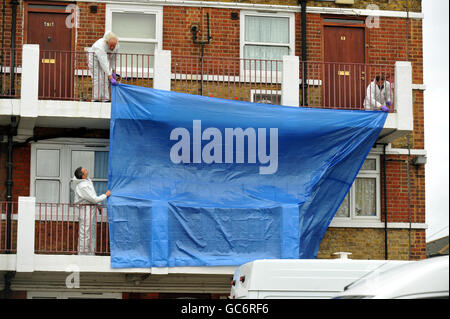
(8, 24)
(397, 190)
(177, 36)
(21, 171)
(387, 44)
(91, 25)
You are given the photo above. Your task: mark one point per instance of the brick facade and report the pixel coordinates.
(385, 45)
(368, 243)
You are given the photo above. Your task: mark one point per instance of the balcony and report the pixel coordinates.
(46, 237)
(52, 88)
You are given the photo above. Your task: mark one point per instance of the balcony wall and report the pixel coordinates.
(49, 104)
(45, 238)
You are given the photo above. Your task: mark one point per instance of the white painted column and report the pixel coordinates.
(29, 90)
(30, 80)
(25, 234)
(290, 81)
(403, 95)
(162, 70)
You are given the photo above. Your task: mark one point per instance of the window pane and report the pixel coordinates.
(133, 59)
(47, 191)
(101, 165)
(100, 187)
(369, 165)
(365, 192)
(267, 29)
(134, 25)
(264, 53)
(47, 163)
(84, 159)
(344, 209)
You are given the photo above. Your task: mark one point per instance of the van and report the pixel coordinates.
(423, 279)
(301, 278)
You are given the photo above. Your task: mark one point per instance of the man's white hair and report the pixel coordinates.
(110, 35)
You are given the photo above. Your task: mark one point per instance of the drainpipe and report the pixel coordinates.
(409, 198)
(9, 182)
(385, 205)
(304, 50)
(13, 45)
(8, 277)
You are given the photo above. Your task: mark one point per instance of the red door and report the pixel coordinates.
(344, 69)
(49, 30)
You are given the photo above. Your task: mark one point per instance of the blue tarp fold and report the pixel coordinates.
(200, 181)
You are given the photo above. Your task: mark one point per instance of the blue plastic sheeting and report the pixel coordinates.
(200, 181)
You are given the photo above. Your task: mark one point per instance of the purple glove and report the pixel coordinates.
(113, 81)
(114, 76)
(388, 103)
(385, 108)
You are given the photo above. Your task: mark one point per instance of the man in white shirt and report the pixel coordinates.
(86, 198)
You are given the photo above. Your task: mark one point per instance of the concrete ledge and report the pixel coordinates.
(101, 264)
(375, 224)
(8, 262)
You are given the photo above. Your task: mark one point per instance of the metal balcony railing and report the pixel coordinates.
(345, 85)
(8, 227)
(10, 72)
(252, 80)
(71, 75)
(71, 229)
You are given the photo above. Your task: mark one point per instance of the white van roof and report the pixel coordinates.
(307, 275)
(418, 279)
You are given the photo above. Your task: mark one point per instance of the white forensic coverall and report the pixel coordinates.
(386, 93)
(87, 198)
(101, 65)
(376, 97)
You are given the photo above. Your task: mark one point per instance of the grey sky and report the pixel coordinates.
(436, 79)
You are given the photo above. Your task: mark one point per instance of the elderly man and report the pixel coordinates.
(87, 199)
(102, 66)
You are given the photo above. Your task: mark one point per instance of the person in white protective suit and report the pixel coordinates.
(378, 94)
(386, 93)
(101, 60)
(86, 199)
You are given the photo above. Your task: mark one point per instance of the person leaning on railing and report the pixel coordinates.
(378, 94)
(101, 62)
(86, 199)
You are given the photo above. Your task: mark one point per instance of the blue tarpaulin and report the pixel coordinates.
(199, 181)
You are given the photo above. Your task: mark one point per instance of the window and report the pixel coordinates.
(267, 37)
(96, 162)
(53, 166)
(48, 175)
(265, 96)
(139, 30)
(363, 199)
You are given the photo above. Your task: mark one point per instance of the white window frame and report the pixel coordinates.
(254, 93)
(260, 75)
(65, 162)
(365, 174)
(128, 8)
